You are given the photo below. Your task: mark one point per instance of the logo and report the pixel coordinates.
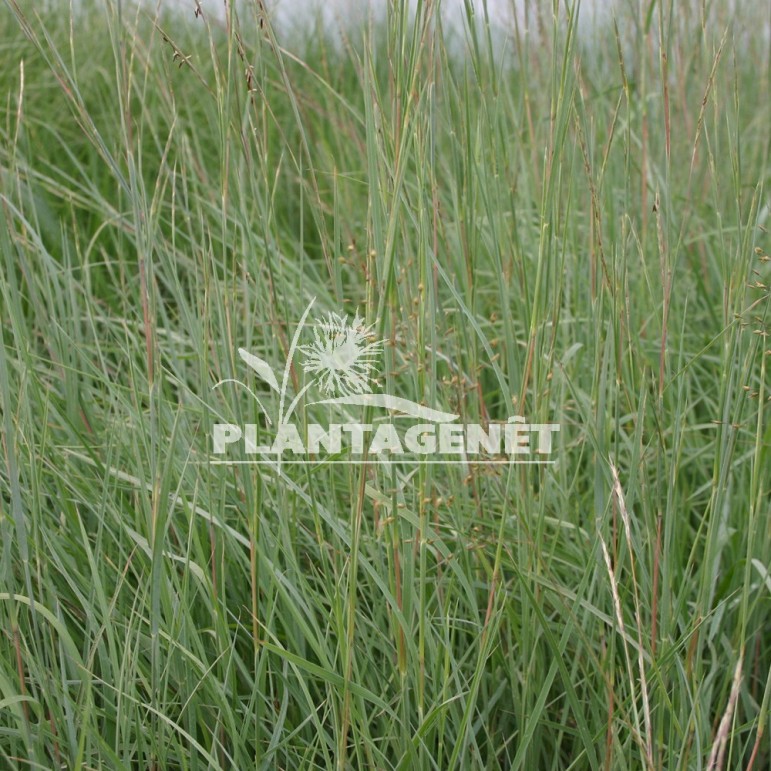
(338, 357)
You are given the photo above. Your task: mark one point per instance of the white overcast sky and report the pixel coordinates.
(294, 11)
(593, 16)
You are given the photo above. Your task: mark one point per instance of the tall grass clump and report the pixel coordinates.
(562, 222)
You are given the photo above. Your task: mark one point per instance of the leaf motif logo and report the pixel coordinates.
(261, 367)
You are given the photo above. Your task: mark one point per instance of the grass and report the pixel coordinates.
(568, 227)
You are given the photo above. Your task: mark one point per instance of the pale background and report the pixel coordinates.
(595, 17)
